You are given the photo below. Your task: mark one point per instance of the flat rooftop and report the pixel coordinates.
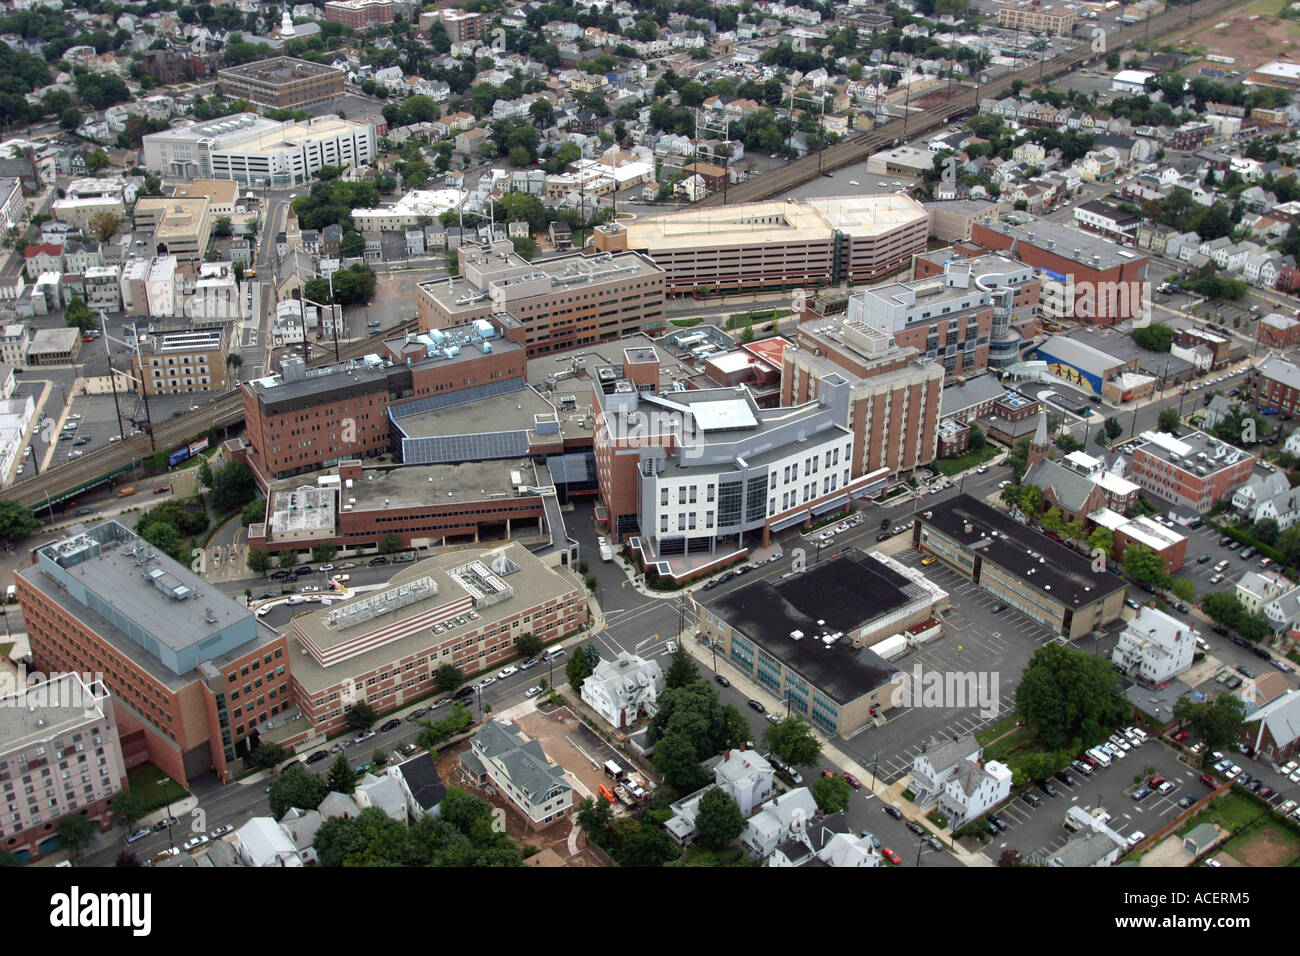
(1035, 559)
(294, 136)
(414, 486)
(246, 123)
(848, 592)
(277, 70)
(1069, 242)
(512, 411)
(1187, 450)
(62, 705)
(573, 370)
(796, 220)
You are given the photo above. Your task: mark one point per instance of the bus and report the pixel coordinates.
(553, 653)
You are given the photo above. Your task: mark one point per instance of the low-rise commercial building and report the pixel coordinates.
(281, 82)
(1045, 581)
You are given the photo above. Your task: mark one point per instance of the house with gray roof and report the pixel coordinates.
(300, 826)
(779, 819)
(518, 767)
(623, 690)
(1273, 731)
(338, 804)
(745, 775)
(421, 785)
(1090, 848)
(826, 842)
(937, 762)
(383, 792)
(1262, 486)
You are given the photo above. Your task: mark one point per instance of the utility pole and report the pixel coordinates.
(112, 377)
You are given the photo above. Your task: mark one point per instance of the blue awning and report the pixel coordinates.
(789, 522)
(831, 505)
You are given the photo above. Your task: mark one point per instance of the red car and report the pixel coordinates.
(1156, 782)
(1088, 760)
(1181, 736)
(827, 773)
(854, 782)
(891, 856)
(161, 490)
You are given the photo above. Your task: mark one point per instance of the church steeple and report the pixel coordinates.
(1039, 447)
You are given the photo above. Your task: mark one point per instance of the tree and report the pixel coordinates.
(340, 778)
(1156, 337)
(1266, 531)
(793, 742)
(463, 810)
(718, 821)
(1113, 428)
(96, 160)
(323, 552)
(233, 486)
(594, 818)
(268, 755)
(832, 794)
(677, 760)
(76, 831)
(640, 844)
(529, 645)
(288, 558)
(447, 677)
(389, 543)
(79, 315)
(259, 560)
(1218, 722)
(977, 438)
(129, 805)
(579, 668)
(681, 669)
(253, 512)
(16, 521)
(222, 226)
(104, 225)
(360, 716)
(1068, 694)
(1225, 609)
(295, 787)
(1168, 421)
(1144, 566)
(127, 859)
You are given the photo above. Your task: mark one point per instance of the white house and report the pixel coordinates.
(421, 785)
(383, 792)
(1281, 508)
(262, 842)
(745, 775)
(1154, 647)
(972, 790)
(778, 821)
(826, 842)
(1257, 588)
(622, 689)
(518, 768)
(935, 765)
(1259, 488)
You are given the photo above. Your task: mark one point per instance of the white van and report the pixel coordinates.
(1103, 759)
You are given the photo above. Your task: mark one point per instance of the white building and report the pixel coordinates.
(778, 821)
(262, 842)
(1130, 81)
(1154, 647)
(11, 203)
(518, 768)
(1256, 589)
(937, 763)
(1262, 487)
(621, 690)
(971, 791)
(162, 287)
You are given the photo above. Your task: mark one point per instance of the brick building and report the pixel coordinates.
(195, 683)
(1278, 383)
(281, 82)
(1194, 471)
(182, 357)
(1278, 331)
(359, 14)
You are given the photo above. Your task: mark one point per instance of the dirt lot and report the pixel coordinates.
(1266, 844)
(1251, 42)
(574, 746)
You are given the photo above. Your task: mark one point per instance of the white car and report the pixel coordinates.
(327, 567)
(194, 842)
(1136, 837)
(1233, 772)
(1289, 768)
(486, 682)
(220, 831)
(826, 536)
(533, 691)
(1003, 484)
(1287, 807)
(882, 184)
(506, 672)
(1294, 776)
(854, 182)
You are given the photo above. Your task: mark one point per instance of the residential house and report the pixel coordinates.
(828, 841)
(622, 690)
(1154, 647)
(1273, 731)
(421, 785)
(778, 820)
(518, 768)
(935, 765)
(262, 842)
(972, 790)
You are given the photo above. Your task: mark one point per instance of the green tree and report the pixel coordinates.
(76, 831)
(104, 225)
(1113, 428)
(1265, 531)
(1184, 590)
(1144, 566)
(1168, 420)
(678, 762)
(718, 822)
(579, 667)
(1068, 694)
(297, 787)
(792, 740)
(233, 486)
(323, 552)
(129, 805)
(360, 716)
(681, 669)
(1102, 538)
(1218, 722)
(389, 544)
(268, 755)
(253, 512)
(529, 645)
(1018, 458)
(79, 314)
(1225, 609)
(205, 474)
(447, 677)
(464, 811)
(340, 778)
(977, 438)
(639, 844)
(259, 560)
(1156, 337)
(16, 521)
(832, 794)
(288, 558)
(594, 819)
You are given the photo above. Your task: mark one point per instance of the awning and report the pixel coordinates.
(831, 505)
(789, 522)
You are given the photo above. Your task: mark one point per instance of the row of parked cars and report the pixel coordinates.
(1104, 754)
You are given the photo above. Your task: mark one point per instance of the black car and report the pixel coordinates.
(1050, 790)
(318, 756)
(265, 595)
(375, 562)
(893, 811)
(916, 828)
(281, 576)
(416, 714)
(1031, 798)
(388, 725)
(466, 691)
(1225, 541)
(997, 609)
(1262, 654)
(1204, 559)
(1066, 778)
(722, 680)
(884, 524)
(305, 569)
(995, 826)
(756, 705)
(994, 818)
(1220, 629)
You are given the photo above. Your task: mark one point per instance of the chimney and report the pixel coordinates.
(968, 527)
(1051, 244)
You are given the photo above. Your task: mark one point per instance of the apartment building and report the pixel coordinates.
(1039, 17)
(182, 227)
(1087, 277)
(102, 289)
(1194, 471)
(465, 608)
(195, 684)
(359, 14)
(894, 393)
(180, 357)
(518, 768)
(1154, 647)
(800, 242)
(462, 25)
(59, 755)
(1278, 382)
(282, 82)
(706, 471)
(561, 303)
(953, 317)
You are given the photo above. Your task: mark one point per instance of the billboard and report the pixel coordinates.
(178, 456)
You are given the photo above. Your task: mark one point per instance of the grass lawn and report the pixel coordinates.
(687, 323)
(1266, 842)
(143, 780)
(6, 648)
(1019, 742)
(951, 466)
(994, 731)
(1231, 812)
(728, 856)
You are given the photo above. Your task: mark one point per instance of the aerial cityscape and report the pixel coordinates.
(647, 433)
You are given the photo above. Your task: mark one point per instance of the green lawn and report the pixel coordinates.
(951, 466)
(143, 780)
(687, 323)
(1279, 835)
(1231, 812)
(994, 731)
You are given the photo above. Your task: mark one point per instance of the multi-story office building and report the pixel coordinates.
(59, 755)
(1040, 17)
(798, 242)
(1043, 580)
(953, 317)
(180, 357)
(195, 683)
(181, 227)
(1278, 382)
(894, 393)
(464, 608)
(1193, 471)
(359, 14)
(461, 25)
(561, 303)
(1083, 276)
(254, 151)
(707, 470)
(302, 420)
(281, 82)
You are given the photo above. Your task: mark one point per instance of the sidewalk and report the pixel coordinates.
(891, 794)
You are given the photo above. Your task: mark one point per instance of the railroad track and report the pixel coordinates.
(849, 152)
(65, 480)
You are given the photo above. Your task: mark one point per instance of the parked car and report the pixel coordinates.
(1141, 793)
(997, 609)
(220, 831)
(893, 811)
(758, 706)
(139, 834)
(507, 672)
(360, 738)
(722, 680)
(533, 691)
(417, 714)
(388, 725)
(916, 828)
(891, 856)
(854, 782)
(318, 756)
